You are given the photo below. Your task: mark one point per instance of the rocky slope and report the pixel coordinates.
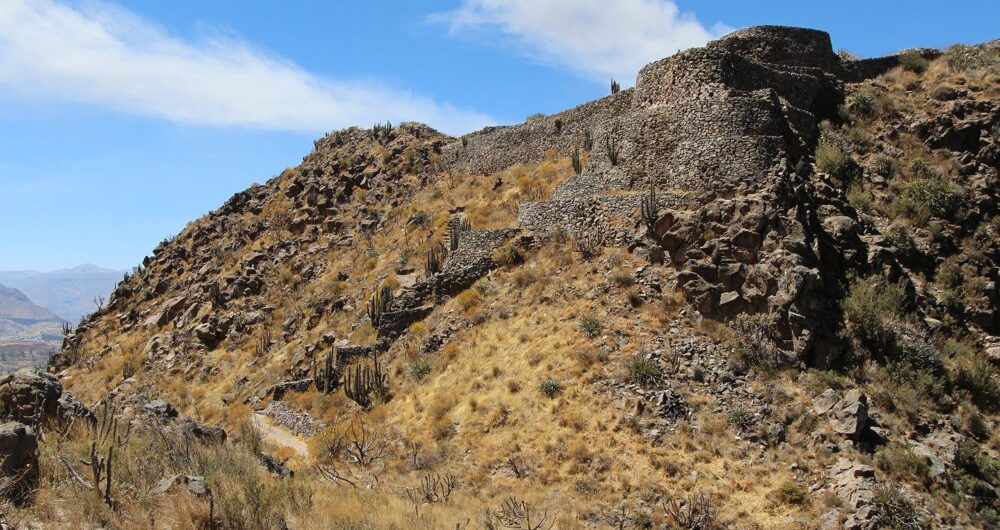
(767, 273)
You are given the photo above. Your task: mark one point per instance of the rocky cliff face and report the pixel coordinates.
(762, 174)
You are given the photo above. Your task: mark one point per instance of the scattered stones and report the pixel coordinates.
(192, 483)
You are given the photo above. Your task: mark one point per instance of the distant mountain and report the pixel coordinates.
(14, 305)
(69, 293)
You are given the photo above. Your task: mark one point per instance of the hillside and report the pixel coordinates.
(758, 290)
(69, 293)
(14, 305)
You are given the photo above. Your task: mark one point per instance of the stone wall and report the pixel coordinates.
(497, 148)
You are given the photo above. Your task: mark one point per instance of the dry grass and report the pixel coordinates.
(477, 414)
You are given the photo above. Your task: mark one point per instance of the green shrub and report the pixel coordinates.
(860, 199)
(871, 308)
(550, 388)
(883, 165)
(938, 196)
(893, 509)
(642, 371)
(913, 62)
(978, 377)
(833, 157)
(901, 463)
(920, 355)
(420, 369)
(861, 105)
(900, 237)
(590, 326)
(741, 418)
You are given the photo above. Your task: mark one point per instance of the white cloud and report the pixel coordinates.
(104, 55)
(599, 38)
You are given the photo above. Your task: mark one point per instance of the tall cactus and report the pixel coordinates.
(434, 261)
(455, 229)
(612, 148)
(650, 208)
(379, 304)
(577, 163)
(364, 383)
(325, 379)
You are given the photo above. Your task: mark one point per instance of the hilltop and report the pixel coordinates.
(758, 289)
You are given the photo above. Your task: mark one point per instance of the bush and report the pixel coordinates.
(420, 369)
(642, 371)
(550, 388)
(791, 492)
(860, 105)
(893, 509)
(833, 157)
(860, 199)
(913, 62)
(755, 339)
(931, 194)
(978, 377)
(900, 237)
(920, 355)
(508, 256)
(901, 463)
(871, 307)
(469, 298)
(590, 326)
(883, 165)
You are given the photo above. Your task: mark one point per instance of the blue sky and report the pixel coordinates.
(121, 121)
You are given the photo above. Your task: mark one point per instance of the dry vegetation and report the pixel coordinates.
(477, 409)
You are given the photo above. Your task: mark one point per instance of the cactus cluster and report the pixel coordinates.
(612, 148)
(434, 260)
(577, 163)
(379, 304)
(382, 130)
(363, 383)
(326, 379)
(455, 230)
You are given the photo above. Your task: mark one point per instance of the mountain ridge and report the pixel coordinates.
(762, 281)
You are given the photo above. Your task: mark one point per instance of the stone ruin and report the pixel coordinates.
(724, 134)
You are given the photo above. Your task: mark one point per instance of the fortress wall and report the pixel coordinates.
(497, 148)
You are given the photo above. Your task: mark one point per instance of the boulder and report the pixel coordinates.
(824, 402)
(18, 461)
(30, 395)
(850, 415)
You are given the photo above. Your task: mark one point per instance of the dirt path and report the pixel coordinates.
(280, 436)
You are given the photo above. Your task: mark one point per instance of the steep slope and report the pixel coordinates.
(695, 285)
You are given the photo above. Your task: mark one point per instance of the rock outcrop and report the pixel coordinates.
(18, 461)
